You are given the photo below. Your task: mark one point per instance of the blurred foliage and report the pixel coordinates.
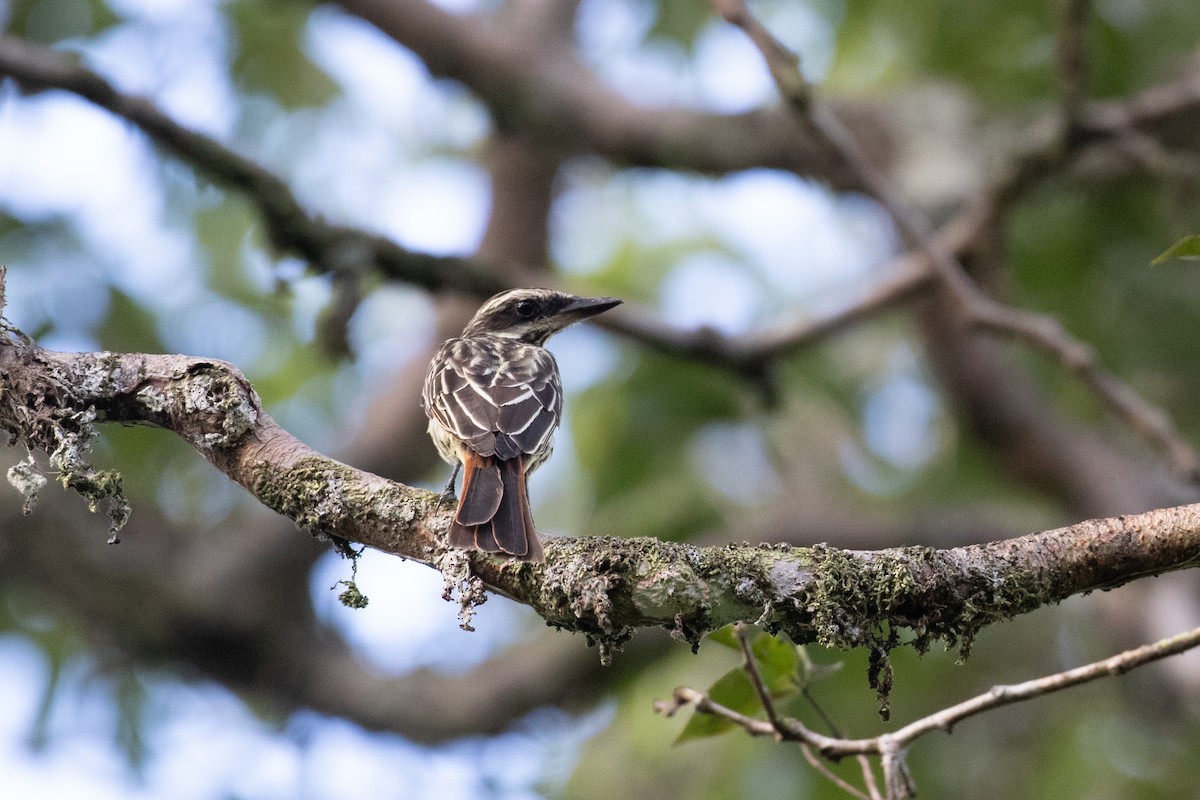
(645, 423)
(1004, 52)
(269, 55)
(679, 21)
(51, 21)
(1077, 248)
(1081, 255)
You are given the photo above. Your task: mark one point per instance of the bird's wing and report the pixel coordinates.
(499, 396)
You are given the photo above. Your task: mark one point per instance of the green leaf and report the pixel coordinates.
(1186, 249)
(778, 663)
(725, 636)
(48, 23)
(732, 690)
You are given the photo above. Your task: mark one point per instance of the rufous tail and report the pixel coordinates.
(493, 512)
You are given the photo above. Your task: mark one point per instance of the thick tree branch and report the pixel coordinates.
(605, 587)
(163, 600)
(533, 84)
(333, 248)
(287, 473)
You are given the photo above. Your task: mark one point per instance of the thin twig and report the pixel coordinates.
(831, 776)
(868, 773)
(1074, 65)
(825, 745)
(812, 701)
(750, 665)
(998, 696)
(892, 747)
(864, 763)
(752, 353)
(896, 777)
(905, 278)
(973, 305)
(792, 727)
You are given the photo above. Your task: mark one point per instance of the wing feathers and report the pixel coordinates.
(498, 395)
(500, 398)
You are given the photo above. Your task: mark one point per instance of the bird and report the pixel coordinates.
(494, 399)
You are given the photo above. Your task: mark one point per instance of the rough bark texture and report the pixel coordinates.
(604, 587)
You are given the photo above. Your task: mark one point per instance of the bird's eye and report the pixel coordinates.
(525, 308)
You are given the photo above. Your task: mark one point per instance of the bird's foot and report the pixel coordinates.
(448, 495)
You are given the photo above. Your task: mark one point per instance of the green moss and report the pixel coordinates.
(850, 595)
(857, 599)
(988, 596)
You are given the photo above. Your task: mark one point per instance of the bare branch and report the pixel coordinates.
(892, 747)
(349, 251)
(341, 249)
(998, 696)
(602, 586)
(787, 728)
(829, 775)
(294, 483)
(750, 665)
(752, 353)
(974, 307)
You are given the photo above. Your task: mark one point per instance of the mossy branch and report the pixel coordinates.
(605, 587)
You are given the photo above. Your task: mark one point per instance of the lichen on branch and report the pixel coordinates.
(49, 413)
(604, 587)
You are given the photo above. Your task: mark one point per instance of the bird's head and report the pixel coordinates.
(533, 315)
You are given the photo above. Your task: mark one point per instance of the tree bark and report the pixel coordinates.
(605, 587)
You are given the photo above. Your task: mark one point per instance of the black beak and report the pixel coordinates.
(584, 307)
